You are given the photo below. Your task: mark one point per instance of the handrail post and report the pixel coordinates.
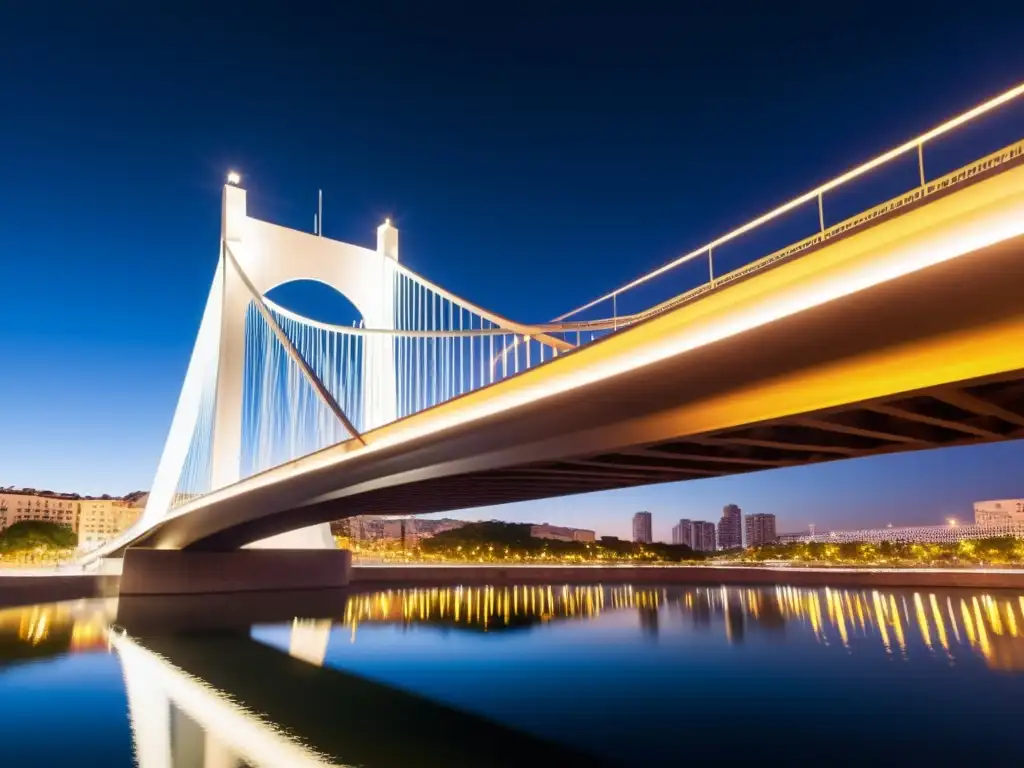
(806, 197)
(615, 312)
(711, 266)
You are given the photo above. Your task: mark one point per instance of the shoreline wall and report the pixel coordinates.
(26, 590)
(397, 576)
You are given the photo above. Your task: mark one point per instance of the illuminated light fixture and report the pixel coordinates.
(234, 177)
(952, 522)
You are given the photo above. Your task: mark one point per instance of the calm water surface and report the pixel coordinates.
(553, 675)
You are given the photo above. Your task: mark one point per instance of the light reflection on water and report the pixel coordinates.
(953, 621)
(566, 672)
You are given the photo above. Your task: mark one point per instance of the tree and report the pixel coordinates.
(30, 535)
(497, 541)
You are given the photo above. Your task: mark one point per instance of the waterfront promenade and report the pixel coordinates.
(981, 578)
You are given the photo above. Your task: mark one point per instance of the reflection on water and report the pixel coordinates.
(496, 607)
(45, 630)
(951, 621)
(262, 686)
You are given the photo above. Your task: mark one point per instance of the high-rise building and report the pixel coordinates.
(642, 532)
(683, 533)
(703, 536)
(730, 528)
(696, 534)
(760, 529)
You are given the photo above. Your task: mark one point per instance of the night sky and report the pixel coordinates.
(533, 159)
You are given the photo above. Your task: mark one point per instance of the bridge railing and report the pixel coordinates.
(903, 175)
(300, 373)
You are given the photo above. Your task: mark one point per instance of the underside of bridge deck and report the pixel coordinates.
(950, 416)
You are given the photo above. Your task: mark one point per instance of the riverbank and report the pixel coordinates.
(23, 589)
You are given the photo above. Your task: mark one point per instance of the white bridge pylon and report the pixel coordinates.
(255, 365)
(259, 257)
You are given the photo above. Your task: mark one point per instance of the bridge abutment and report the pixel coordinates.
(184, 572)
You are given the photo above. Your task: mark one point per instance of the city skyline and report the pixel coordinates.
(616, 513)
(96, 378)
(994, 512)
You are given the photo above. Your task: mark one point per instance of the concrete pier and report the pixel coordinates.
(183, 572)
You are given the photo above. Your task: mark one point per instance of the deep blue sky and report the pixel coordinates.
(532, 159)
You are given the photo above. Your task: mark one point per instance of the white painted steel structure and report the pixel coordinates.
(266, 386)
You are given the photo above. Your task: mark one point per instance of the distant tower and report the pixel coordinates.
(730, 528)
(642, 528)
(760, 529)
(683, 533)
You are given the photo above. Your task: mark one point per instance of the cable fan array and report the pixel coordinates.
(444, 350)
(437, 349)
(283, 416)
(196, 477)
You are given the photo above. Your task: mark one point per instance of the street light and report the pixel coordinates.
(234, 177)
(952, 522)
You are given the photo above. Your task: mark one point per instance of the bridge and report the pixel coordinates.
(895, 329)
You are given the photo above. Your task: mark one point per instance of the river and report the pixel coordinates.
(543, 675)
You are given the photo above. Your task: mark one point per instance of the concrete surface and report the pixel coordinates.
(177, 572)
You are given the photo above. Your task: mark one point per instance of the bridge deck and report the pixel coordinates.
(902, 336)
